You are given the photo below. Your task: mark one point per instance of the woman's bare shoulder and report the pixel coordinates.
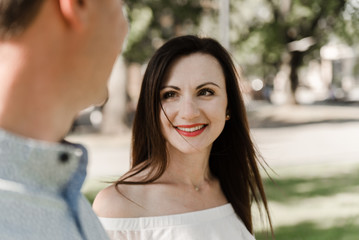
(115, 202)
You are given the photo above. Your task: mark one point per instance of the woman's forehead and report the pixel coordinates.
(195, 68)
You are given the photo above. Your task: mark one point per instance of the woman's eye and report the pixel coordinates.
(206, 92)
(168, 95)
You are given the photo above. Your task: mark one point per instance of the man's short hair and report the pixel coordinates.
(17, 15)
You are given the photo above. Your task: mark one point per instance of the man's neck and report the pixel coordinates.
(31, 104)
(33, 121)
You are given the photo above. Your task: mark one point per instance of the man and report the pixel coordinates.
(55, 59)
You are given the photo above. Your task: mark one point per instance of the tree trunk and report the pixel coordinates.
(295, 63)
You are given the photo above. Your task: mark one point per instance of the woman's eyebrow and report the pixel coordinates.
(208, 83)
(198, 87)
(169, 86)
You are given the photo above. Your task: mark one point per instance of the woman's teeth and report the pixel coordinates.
(192, 129)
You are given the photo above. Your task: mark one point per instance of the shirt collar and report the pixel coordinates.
(41, 165)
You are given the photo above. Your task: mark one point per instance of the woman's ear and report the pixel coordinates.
(74, 13)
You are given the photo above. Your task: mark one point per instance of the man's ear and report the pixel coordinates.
(74, 12)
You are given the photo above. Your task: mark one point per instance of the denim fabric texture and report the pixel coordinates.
(40, 196)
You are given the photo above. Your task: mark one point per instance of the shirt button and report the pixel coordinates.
(64, 157)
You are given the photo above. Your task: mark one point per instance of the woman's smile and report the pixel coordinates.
(191, 130)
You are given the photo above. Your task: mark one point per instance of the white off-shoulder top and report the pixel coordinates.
(210, 224)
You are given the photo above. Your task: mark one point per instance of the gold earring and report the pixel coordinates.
(228, 117)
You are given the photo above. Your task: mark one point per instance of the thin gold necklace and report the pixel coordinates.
(197, 188)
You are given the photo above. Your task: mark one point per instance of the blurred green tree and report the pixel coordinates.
(155, 21)
(267, 34)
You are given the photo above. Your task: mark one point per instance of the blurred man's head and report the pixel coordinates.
(101, 23)
(56, 57)
(16, 15)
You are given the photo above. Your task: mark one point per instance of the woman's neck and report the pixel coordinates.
(188, 169)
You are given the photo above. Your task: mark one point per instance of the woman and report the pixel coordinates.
(194, 167)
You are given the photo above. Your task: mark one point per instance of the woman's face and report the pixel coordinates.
(194, 98)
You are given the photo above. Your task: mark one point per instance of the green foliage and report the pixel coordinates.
(263, 32)
(155, 21)
(287, 21)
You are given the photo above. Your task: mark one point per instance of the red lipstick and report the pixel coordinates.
(191, 130)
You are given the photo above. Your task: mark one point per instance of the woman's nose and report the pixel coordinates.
(189, 109)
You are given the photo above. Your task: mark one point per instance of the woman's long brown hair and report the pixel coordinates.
(233, 159)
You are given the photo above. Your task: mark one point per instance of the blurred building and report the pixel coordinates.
(340, 69)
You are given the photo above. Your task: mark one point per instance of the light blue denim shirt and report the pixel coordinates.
(40, 195)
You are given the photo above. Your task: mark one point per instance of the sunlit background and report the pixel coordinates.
(299, 65)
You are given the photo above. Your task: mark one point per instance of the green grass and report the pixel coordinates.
(311, 231)
(316, 202)
(290, 190)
